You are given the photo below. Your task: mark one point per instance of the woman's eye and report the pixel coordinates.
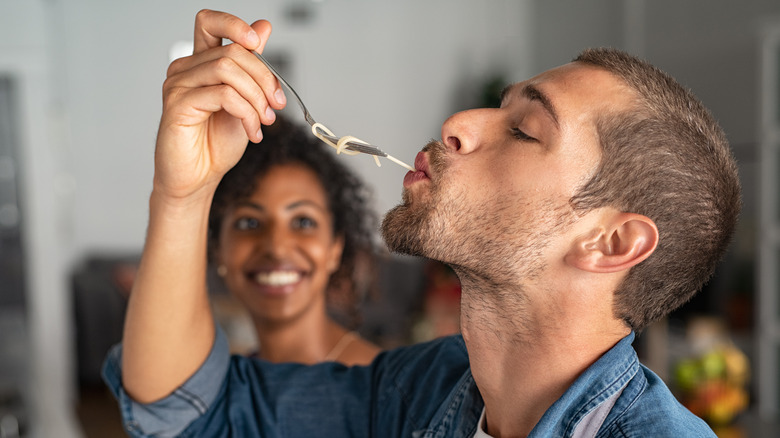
(520, 135)
(304, 222)
(247, 223)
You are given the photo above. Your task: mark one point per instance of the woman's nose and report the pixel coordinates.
(466, 131)
(275, 241)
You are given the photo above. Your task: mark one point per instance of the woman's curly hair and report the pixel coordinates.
(349, 202)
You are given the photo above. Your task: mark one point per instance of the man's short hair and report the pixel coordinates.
(667, 159)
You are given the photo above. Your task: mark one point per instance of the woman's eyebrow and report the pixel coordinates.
(292, 206)
(305, 202)
(249, 204)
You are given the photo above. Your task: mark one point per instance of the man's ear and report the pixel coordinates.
(624, 242)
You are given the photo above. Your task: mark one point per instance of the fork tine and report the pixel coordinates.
(365, 148)
(356, 146)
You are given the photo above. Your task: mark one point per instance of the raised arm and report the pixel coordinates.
(213, 103)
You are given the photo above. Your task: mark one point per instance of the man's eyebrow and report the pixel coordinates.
(531, 92)
(504, 92)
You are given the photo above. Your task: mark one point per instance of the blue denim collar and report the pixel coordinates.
(599, 386)
(590, 404)
(459, 417)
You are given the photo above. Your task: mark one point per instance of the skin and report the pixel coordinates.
(279, 251)
(551, 322)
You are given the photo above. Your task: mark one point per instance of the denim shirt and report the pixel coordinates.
(420, 391)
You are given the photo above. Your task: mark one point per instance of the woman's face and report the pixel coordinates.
(278, 247)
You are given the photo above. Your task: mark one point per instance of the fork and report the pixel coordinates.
(350, 145)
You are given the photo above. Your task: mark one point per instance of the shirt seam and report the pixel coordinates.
(195, 401)
(615, 421)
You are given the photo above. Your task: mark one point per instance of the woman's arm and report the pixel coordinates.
(213, 102)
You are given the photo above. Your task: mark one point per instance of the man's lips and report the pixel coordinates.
(421, 173)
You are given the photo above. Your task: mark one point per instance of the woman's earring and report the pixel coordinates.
(221, 270)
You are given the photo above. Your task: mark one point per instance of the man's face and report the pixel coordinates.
(493, 196)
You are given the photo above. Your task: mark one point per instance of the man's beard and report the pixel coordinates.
(500, 239)
(406, 229)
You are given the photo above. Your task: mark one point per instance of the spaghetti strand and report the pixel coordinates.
(341, 145)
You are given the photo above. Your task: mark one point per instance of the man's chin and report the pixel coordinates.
(401, 228)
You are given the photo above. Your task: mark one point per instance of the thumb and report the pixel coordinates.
(262, 29)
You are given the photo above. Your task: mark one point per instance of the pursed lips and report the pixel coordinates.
(421, 163)
(421, 172)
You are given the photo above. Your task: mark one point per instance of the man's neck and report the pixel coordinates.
(524, 355)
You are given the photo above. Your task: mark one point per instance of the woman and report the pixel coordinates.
(290, 232)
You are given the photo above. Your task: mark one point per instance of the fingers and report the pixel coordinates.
(263, 29)
(212, 26)
(225, 72)
(220, 67)
(214, 68)
(210, 100)
(231, 57)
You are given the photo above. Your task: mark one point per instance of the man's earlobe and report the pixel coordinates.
(629, 240)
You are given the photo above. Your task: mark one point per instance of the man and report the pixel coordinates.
(596, 199)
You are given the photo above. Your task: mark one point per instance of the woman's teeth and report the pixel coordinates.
(278, 278)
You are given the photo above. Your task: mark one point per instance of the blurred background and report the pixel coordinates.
(80, 99)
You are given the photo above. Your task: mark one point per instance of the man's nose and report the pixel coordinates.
(466, 131)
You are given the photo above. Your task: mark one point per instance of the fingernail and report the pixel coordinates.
(253, 38)
(269, 113)
(279, 96)
(259, 136)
